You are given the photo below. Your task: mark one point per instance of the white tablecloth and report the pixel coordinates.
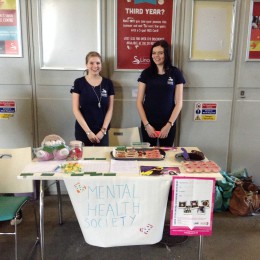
(119, 211)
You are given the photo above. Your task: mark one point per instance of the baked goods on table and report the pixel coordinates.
(200, 166)
(123, 152)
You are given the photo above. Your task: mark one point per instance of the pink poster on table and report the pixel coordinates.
(192, 206)
(140, 23)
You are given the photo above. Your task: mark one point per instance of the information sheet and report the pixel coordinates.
(192, 206)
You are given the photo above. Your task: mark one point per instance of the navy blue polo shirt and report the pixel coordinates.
(89, 99)
(160, 94)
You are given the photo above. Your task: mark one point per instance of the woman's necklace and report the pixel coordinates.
(99, 99)
(95, 81)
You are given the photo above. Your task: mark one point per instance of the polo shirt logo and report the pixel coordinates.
(103, 93)
(170, 81)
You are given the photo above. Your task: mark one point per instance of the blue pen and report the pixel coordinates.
(57, 168)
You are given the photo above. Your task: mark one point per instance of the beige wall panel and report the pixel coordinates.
(211, 137)
(55, 117)
(125, 114)
(247, 71)
(246, 138)
(17, 131)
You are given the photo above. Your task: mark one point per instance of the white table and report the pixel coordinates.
(100, 219)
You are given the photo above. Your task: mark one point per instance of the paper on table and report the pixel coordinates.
(95, 166)
(124, 167)
(46, 166)
(51, 166)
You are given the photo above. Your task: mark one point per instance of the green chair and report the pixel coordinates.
(12, 161)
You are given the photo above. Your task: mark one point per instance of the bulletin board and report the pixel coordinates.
(253, 42)
(212, 30)
(61, 24)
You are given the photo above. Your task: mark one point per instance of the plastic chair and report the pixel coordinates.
(12, 161)
(123, 136)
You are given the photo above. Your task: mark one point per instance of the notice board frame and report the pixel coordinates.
(58, 49)
(208, 41)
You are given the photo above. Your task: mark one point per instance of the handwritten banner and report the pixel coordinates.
(139, 25)
(119, 211)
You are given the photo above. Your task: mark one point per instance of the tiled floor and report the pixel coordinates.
(233, 238)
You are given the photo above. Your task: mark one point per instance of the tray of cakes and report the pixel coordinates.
(142, 154)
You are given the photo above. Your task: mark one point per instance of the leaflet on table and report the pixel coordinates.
(56, 166)
(192, 206)
(96, 166)
(159, 170)
(124, 167)
(44, 166)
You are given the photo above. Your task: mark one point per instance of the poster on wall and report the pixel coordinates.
(253, 52)
(140, 23)
(192, 206)
(10, 29)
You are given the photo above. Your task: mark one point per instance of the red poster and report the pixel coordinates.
(140, 23)
(10, 29)
(254, 52)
